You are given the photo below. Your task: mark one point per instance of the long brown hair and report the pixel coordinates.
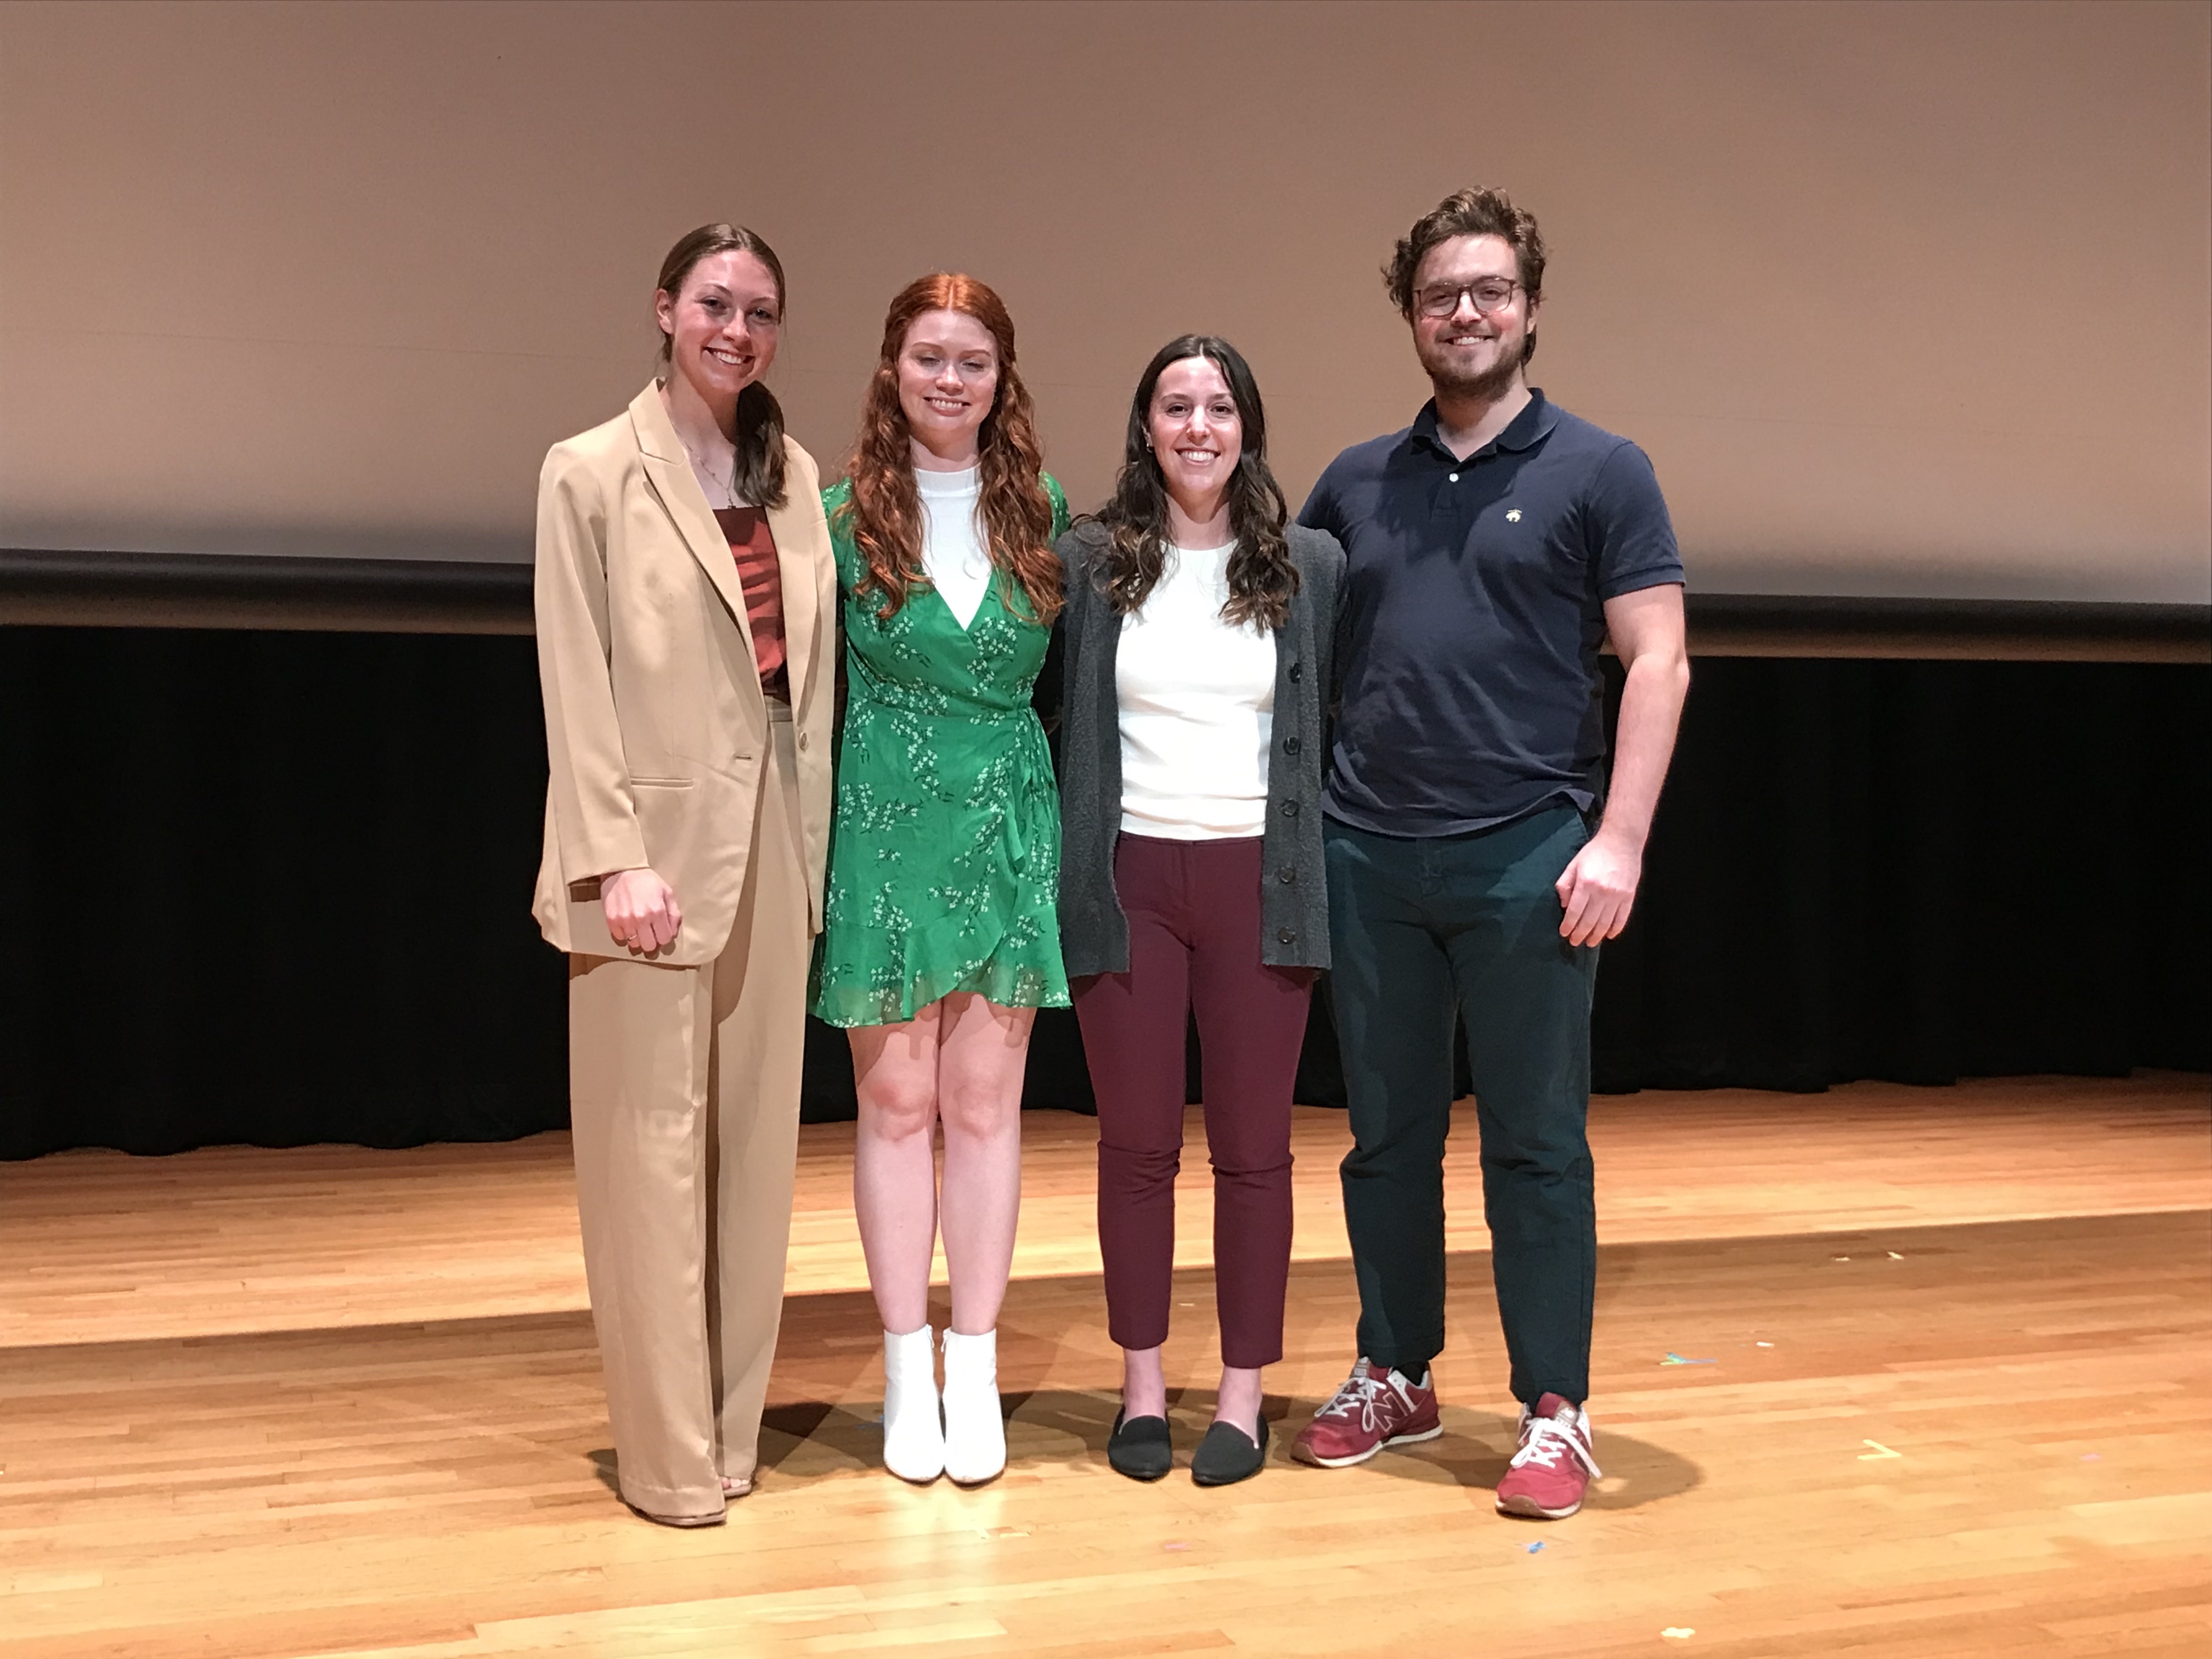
(884, 512)
(760, 418)
(1261, 578)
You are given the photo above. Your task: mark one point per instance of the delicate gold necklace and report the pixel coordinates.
(706, 474)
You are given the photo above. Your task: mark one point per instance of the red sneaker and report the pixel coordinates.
(1554, 1468)
(1376, 1407)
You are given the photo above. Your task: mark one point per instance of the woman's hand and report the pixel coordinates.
(642, 914)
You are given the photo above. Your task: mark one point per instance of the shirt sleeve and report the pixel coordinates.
(594, 808)
(1632, 538)
(841, 548)
(1060, 516)
(1320, 511)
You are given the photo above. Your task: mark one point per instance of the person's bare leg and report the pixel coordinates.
(1239, 1402)
(981, 1050)
(1144, 1384)
(895, 1071)
(895, 1198)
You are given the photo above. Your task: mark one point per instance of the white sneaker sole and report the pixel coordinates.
(1527, 1509)
(1316, 1461)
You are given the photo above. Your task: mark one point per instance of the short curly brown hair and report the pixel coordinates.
(1478, 212)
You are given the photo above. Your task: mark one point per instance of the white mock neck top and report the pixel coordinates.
(955, 555)
(1197, 705)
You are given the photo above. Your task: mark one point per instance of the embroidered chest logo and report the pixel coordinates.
(1513, 515)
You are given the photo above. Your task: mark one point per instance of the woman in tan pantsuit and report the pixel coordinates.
(686, 646)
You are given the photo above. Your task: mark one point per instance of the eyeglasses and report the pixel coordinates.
(1489, 293)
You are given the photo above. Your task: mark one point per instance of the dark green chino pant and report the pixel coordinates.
(1418, 929)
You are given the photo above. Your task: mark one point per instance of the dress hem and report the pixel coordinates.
(1020, 987)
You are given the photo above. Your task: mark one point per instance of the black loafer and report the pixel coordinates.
(1226, 1457)
(1139, 1447)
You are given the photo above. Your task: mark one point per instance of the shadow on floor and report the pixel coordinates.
(1067, 1429)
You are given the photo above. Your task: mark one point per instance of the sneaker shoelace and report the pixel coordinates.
(1546, 1438)
(1359, 1394)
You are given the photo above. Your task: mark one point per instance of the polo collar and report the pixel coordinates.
(1524, 431)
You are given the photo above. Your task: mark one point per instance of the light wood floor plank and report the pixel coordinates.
(336, 1402)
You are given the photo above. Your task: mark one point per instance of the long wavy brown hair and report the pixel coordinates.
(1261, 577)
(884, 513)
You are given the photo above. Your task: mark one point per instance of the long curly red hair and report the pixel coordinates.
(884, 513)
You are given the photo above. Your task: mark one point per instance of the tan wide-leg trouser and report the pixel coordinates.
(684, 1087)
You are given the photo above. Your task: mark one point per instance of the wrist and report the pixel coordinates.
(1620, 838)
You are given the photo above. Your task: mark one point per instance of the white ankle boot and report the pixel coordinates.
(975, 1432)
(914, 1434)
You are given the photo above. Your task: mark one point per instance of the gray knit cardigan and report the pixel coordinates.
(1094, 932)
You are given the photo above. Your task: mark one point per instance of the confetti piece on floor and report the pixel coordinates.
(1534, 1548)
(1678, 1633)
(1177, 1545)
(1674, 1359)
(1879, 1451)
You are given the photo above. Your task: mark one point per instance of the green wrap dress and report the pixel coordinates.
(944, 850)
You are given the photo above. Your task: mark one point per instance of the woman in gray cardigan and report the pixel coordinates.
(1197, 639)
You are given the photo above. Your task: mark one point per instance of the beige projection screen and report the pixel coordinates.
(1903, 300)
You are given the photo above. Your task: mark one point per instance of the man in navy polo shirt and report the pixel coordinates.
(1477, 852)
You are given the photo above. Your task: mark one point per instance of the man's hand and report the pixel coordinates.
(1598, 889)
(642, 914)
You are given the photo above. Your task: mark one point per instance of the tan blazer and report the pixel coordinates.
(655, 723)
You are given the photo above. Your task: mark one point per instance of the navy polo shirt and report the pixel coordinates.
(1473, 614)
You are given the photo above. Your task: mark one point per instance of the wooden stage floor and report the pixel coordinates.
(1945, 1393)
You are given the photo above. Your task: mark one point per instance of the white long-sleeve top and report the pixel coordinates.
(954, 555)
(1197, 704)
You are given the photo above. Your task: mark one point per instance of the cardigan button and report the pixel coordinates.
(1290, 745)
(1297, 673)
(1286, 875)
(1285, 935)
(1290, 809)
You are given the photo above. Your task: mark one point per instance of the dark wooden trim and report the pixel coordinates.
(1815, 625)
(437, 596)
(225, 590)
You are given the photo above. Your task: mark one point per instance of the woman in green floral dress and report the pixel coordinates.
(940, 939)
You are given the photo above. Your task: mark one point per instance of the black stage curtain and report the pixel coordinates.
(274, 888)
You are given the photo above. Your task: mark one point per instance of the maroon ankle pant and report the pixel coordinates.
(1193, 910)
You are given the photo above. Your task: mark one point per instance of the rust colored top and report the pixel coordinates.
(746, 529)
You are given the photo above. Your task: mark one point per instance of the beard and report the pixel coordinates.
(1484, 386)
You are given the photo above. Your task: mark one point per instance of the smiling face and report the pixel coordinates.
(1197, 435)
(722, 324)
(1472, 352)
(948, 381)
